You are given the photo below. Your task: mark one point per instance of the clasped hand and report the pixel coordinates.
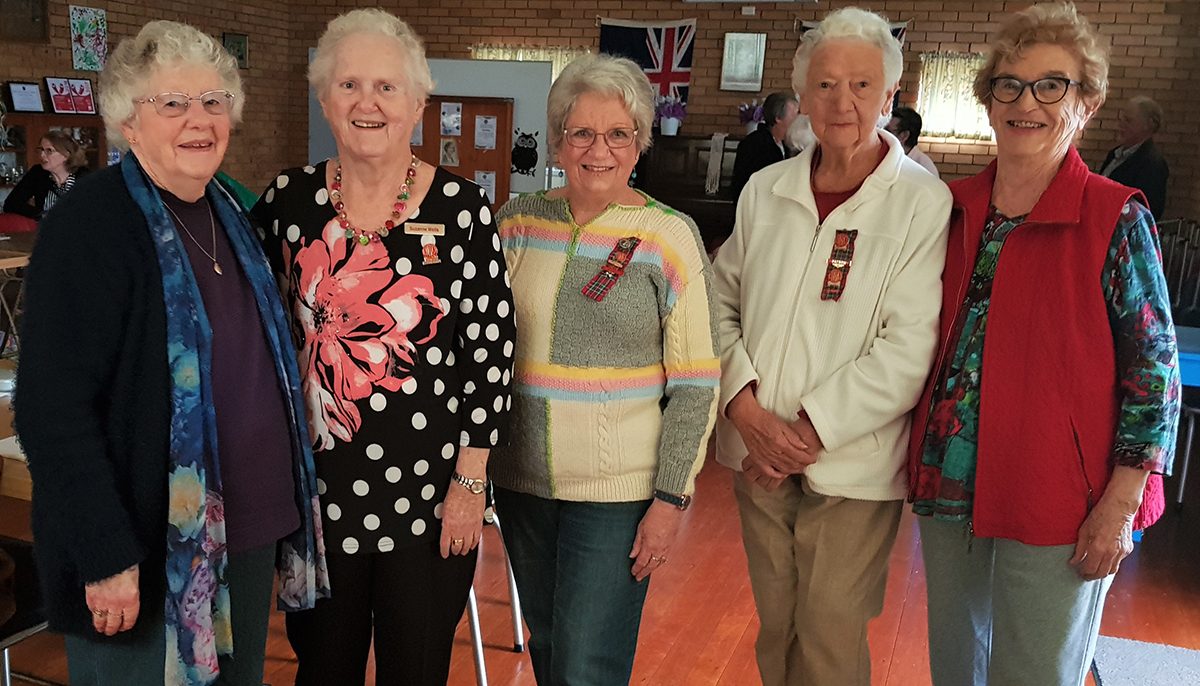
(776, 449)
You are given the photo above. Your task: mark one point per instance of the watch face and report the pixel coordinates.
(477, 487)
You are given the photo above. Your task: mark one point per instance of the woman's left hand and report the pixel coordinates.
(1106, 536)
(655, 535)
(462, 521)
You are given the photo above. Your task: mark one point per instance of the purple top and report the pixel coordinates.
(253, 441)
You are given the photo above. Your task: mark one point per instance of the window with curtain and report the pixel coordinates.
(557, 55)
(945, 99)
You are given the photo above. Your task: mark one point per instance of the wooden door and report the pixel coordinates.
(455, 145)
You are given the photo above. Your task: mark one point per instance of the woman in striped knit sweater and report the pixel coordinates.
(616, 380)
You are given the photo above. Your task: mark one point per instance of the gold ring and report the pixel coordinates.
(456, 541)
(100, 613)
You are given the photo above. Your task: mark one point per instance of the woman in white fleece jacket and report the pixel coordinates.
(827, 297)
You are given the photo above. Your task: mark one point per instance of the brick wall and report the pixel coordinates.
(269, 138)
(1156, 50)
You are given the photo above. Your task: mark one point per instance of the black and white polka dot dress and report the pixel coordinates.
(405, 347)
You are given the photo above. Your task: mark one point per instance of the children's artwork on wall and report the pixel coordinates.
(524, 152)
(89, 38)
(238, 45)
(60, 95)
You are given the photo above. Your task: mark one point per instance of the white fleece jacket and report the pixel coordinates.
(856, 365)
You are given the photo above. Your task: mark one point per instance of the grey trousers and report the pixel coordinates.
(1003, 613)
(142, 662)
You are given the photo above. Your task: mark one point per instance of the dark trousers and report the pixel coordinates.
(410, 599)
(578, 594)
(142, 661)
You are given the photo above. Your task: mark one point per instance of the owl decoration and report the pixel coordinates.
(524, 153)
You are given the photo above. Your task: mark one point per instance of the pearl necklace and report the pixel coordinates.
(362, 235)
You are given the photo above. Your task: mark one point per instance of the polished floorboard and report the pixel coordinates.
(699, 624)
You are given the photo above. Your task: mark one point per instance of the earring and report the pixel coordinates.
(133, 141)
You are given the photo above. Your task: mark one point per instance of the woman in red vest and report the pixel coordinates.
(1051, 412)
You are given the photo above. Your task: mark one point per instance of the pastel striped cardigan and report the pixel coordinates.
(612, 399)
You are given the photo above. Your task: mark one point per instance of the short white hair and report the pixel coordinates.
(850, 23)
(160, 44)
(381, 23)
(604, 75)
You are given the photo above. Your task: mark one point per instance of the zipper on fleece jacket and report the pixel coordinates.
(799, 295)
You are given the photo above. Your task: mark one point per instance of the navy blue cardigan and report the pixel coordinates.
(93, 399)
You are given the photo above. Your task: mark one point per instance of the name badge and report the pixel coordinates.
(419, 229)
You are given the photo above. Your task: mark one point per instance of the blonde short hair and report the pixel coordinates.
(371, 21)
(604, 75)
(1049, 23)
(160, 44)
(854, 24)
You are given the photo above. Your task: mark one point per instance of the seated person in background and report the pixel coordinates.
(765, 146)
(1136, 161)
(44, 184)
(906, 126)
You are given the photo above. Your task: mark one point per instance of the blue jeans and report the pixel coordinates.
(580, 599)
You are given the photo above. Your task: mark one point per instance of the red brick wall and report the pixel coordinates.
(269, 137)
(1156, 51)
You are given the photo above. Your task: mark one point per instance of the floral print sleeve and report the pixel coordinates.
(1139, 310)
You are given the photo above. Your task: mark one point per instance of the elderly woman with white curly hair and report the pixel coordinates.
(616, 380)
(827, 297)
(399, 296)
(160, 402)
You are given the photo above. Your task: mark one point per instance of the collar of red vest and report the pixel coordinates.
(1060, 203)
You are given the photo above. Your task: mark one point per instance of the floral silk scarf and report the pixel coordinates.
(197, 604)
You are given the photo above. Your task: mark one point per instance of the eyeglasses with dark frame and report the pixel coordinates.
(215, 102)
(1049, 90)
(582, 137)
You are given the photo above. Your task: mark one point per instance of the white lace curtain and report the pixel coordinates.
(558, 56)
(946, 101)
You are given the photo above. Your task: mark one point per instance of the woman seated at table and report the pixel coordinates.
(63, 161)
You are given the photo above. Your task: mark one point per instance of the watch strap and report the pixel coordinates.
(682, 502)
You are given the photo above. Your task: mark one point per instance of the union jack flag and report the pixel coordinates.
(662, 50)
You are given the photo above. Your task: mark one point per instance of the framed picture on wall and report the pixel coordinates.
(81, 96)
(238, 45)
(25, 97)
(742, 62)
(60, 95)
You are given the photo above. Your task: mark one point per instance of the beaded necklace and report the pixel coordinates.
(362, 235)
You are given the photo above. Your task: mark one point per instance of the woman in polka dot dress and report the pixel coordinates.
(403, 318)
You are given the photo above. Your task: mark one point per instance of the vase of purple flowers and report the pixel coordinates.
(670, 112)
(750, 114)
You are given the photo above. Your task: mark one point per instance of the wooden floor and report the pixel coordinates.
(699, 623)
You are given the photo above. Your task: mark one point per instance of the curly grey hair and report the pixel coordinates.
(376, 21)
(849, 23)
(605, 75)
(160, 44)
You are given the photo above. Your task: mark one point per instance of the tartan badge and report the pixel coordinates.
(613, 269)
(838, 268)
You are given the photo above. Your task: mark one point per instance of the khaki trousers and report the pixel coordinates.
(818, 568)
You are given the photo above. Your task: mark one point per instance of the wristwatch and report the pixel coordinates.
(682, 502)
(476, 486)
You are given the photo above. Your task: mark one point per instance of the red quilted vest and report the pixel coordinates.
(1049, 396)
